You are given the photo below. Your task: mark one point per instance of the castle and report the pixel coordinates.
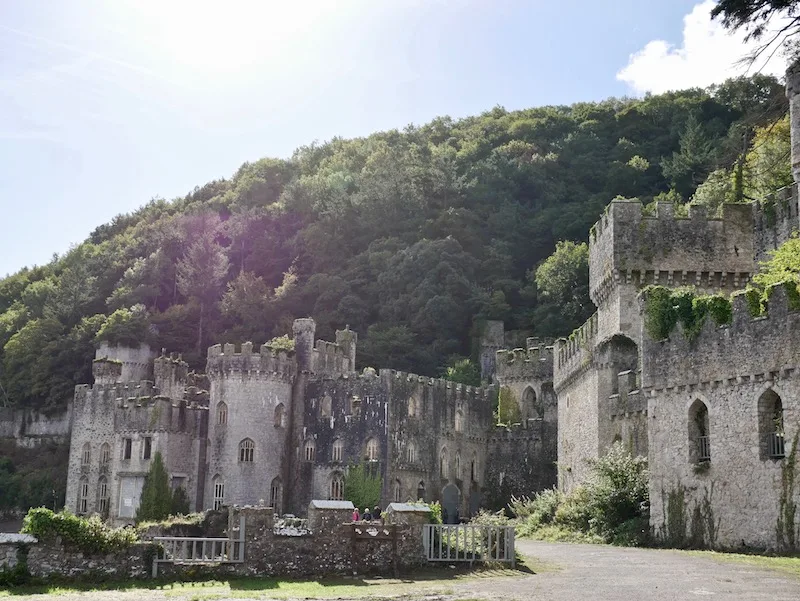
(282, 427)
(717, 415)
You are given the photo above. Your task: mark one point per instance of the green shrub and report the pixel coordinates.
(490, 518)
(612, 505)
(538, 510)
(618, 490)
(90, 535)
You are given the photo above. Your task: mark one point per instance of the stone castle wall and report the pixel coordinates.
(741, 492)
(30, 428)
(124, 421)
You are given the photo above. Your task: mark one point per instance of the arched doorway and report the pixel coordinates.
(451, 502)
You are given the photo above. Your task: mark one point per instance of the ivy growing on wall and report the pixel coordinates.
(665, 307)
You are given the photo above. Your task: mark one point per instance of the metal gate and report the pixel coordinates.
(469, 542)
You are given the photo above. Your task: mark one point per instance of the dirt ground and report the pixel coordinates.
(557, 571)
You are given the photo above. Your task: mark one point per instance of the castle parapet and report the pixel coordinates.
(268, 363)
(750, 347)
(454, 390)
(629, 246)
(533, 363)
(574, 354)
(330, 358)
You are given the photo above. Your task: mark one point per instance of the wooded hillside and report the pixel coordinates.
(407, 236)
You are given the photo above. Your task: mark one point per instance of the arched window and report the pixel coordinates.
(529, 401)
(222, 413)
(246, 450)
(280, 416)
(699, 433)
(459, 420)
(276, 495)
(102, 495)
(413, 406)
(309, 450)
(443, 463)
(458, 466)
(372, 449)
(397, 491)
(105, 455)
(770, 426)
(83, 495)
(473, 468)
(421, 491)
(219, 491)
(325, 406)
(338, 450)
(411, 452)
(337, 487)
(86, 455)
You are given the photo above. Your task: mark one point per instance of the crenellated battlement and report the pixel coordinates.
(453, 389)
(224, 360)
(330, 358)
(629, 246)
(530, 429)
(532, 363)
(735, 351)
(574, 354)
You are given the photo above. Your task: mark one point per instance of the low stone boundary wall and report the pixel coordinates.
(333, 545)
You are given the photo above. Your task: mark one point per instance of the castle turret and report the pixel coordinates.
(303, 330)
(346, 339)
(106, 371)
(170, 375)
(492, 339)
(793, 94)
(136, 363)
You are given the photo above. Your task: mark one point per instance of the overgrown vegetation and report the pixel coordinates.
(665, 307)
(611, 506)
(90, 535)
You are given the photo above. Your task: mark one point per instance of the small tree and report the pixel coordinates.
(156, 501)
(362, 485)
(180, 502)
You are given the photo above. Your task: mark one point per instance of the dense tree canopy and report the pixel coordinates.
(408, 236)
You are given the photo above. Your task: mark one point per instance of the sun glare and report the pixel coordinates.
(229, 36)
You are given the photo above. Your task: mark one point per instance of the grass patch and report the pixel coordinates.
(427, 581)
(785, 565)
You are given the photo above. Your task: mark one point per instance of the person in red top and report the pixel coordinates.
(356, 516)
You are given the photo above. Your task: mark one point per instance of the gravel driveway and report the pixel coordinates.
(570, 571)
(603, 573)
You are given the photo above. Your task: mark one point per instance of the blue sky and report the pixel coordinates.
(104, 105)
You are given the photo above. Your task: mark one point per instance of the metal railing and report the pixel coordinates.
(776, 445)
(704, 448)
(190, 550)
(469, 543)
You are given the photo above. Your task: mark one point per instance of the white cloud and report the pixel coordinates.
(709, 54)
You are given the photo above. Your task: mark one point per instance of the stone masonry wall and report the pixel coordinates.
(741, 496)
(256, 392)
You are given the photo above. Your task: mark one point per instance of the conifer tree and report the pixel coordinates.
(156, 500)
